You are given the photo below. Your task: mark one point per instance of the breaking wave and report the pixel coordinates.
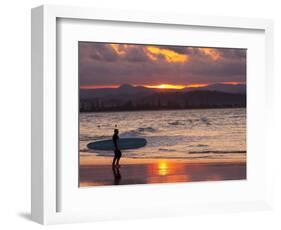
(167, 150)
(216, 151)
(91, 138)
(138, 131)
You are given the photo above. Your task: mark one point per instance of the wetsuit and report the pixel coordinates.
(117, 151)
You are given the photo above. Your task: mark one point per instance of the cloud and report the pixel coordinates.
(106, 64)
(155, 53)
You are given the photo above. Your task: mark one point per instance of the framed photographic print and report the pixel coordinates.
(161, 114)
(155, 114)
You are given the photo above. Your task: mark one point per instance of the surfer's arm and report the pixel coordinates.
(115, 143)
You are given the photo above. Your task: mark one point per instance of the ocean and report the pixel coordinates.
(216, 134)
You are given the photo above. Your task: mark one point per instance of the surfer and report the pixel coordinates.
(117, 151)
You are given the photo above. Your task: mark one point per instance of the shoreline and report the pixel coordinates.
(98, 171)
(87, 159)
(164, 109)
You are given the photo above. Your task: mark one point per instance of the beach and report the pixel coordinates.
(182, 146)
(96, 171)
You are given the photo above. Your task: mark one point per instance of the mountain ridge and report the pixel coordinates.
(161, 100)
(132, 90)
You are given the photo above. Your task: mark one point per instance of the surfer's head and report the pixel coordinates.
(116, 131)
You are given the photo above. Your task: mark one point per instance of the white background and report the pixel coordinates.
(15, 113)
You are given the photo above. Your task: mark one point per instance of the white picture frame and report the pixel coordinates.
(46, 183)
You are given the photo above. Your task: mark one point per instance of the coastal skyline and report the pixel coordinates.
(109, 65)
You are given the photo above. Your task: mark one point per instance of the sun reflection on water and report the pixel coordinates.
(163, 168)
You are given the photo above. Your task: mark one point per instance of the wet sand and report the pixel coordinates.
(98, 171)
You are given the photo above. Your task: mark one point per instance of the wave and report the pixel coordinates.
(151, 157)
(90, 138)
(216, 151)
(167, 150)
(146, 129)
(190, 155)
(83, 150)
(205, 120)
(199, 145)
(176, 123)
(191, 122)
(138, 131)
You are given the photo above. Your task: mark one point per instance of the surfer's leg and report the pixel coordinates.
(114, 160)
(118, 159)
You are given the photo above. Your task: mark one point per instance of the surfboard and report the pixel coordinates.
(124, 143)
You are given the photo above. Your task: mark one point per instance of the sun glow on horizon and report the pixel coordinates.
(165, 86)
(160, 86)
(171, 86)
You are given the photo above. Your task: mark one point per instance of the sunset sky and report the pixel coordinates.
(108, 65)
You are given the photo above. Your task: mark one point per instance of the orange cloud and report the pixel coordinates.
(212, 53)
(232, 82)
(119, 49)
(169, 55)
(196, 85)
(153, 53)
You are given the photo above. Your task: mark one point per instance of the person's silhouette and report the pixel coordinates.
(117, 151)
